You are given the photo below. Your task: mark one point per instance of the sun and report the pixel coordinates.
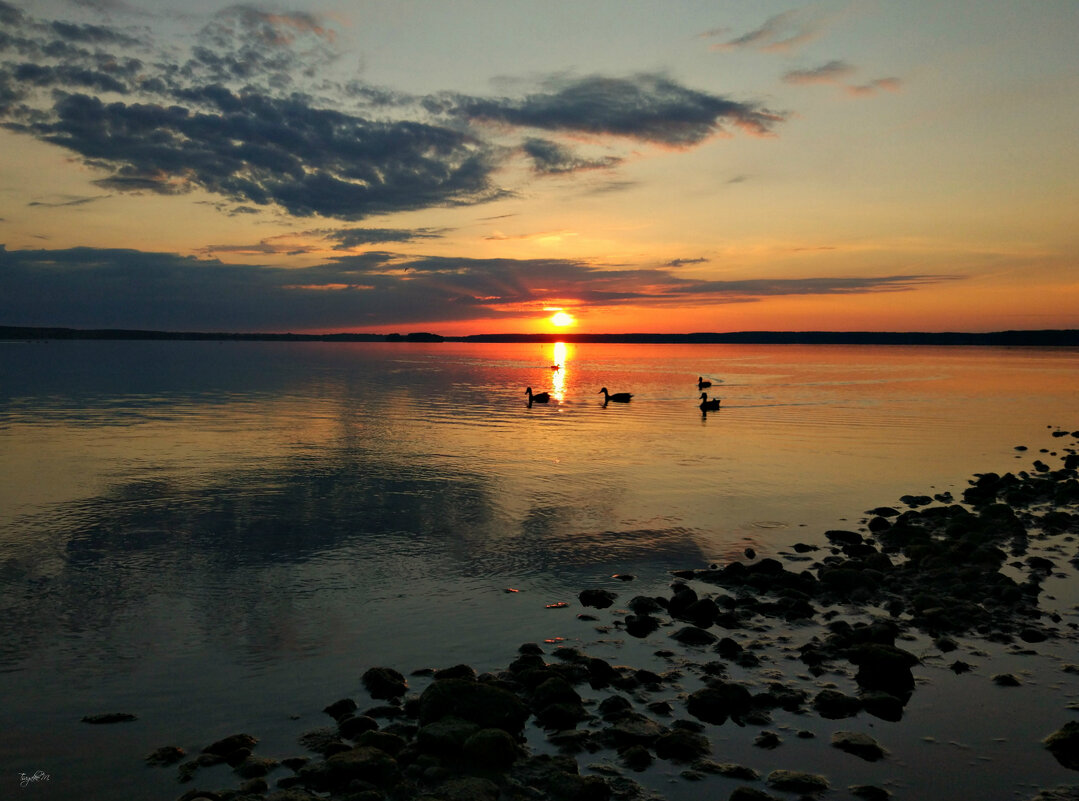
(561, 319)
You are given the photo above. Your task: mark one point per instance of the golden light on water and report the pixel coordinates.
(559, 367)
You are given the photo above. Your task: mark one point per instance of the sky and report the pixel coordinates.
(481, 167)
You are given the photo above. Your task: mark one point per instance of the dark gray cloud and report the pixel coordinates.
(68, 201)
(684, 262)
(647, 107)
(244, 115)
(85, 287)
(348, 238)
(551, 158)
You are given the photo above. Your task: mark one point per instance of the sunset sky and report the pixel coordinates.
(477, 167)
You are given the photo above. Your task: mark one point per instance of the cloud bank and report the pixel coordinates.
(113, 288)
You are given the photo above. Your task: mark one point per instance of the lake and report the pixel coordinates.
(223, 536)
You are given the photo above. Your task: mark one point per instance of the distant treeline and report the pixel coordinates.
(1055, 337)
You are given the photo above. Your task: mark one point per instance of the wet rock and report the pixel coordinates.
(1007, 680)
(633, 728)
(859, 744)
(637, 758)
(692, 635)
(384, 683)
(494, 748)
(797, 782)
(339, 710)
(959, 666)
(702, 612)
(445, 736)
(166, 755)
(684, 596)
(768, 740)
(110, 717)
(844, 537)
(718, 701)
(744, 793)
(227, 745)
(598, 598)
(456, 672)
(488, 706)
(833, 704)
(645, 605)
(255, 767)
(386, 741)
(640, 625)
(323, 741)
(614, 706)
(680, 745)
(352, 727)
(361, 764)
(1063, 744)
(884, 667)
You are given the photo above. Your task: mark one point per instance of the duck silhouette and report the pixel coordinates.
(709, 405)
(618, 397)
(539, 397)
(701, 383)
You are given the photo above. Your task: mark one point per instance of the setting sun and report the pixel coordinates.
(561, 319)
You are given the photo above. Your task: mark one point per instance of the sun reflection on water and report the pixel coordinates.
(559, 367)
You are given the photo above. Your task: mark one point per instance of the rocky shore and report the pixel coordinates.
(822, 633)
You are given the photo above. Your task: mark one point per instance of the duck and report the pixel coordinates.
(709, 405)
(539, 397)
(701, 383)
(618, 397)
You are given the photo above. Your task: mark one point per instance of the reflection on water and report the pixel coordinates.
(179, 521)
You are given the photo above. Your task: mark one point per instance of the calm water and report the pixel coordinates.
(222, 537)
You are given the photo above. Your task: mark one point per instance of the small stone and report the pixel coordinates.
(166, 755)
(797, 782)
(1006, 680)
(859, 744)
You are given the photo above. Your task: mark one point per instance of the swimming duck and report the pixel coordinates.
(618, 397)
(709, 405)
(539, 397)
(701, 383)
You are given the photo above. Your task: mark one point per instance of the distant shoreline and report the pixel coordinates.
(1036, 338)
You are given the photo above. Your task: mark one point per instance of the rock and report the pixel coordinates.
(386, 741)
(1006, 680)
(456, 672)
(768, 740)
(869, 792)
(384, 682)
(640, 625)
(633, 728)
(323, 741)
(833, 704)
(445, 736)
(339, 710)
(1064, 744)
(744, 793)
(226, 746)
(718, 701)
(844, 537)
(884, 667)
(679, 745)
(554, 690)
(731, 770)
(959, 666)
(600, 599)
(859, 744)
(492, 748)
(110, 717)
(352, 727)
(255, 767)
(166, 755)
(797, 782)
(488, 706)
(357, 764)
(692, 635)
(645, 605)
(637, 758)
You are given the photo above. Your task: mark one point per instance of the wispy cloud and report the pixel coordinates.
(839, 73)
(782, 33)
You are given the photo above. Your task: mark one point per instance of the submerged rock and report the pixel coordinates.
(859, 744)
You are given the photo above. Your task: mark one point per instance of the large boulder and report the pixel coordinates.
(487, 706)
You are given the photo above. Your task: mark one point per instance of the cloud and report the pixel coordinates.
(551, 158)
(684, 262)
(67, 201)
(348, 238)
(780, 33)
(103, 288)
(648, 107)
(831, 72)
(871, 88)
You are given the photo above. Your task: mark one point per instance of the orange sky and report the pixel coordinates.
(404, 167)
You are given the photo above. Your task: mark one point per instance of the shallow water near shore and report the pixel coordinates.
(222, 536)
